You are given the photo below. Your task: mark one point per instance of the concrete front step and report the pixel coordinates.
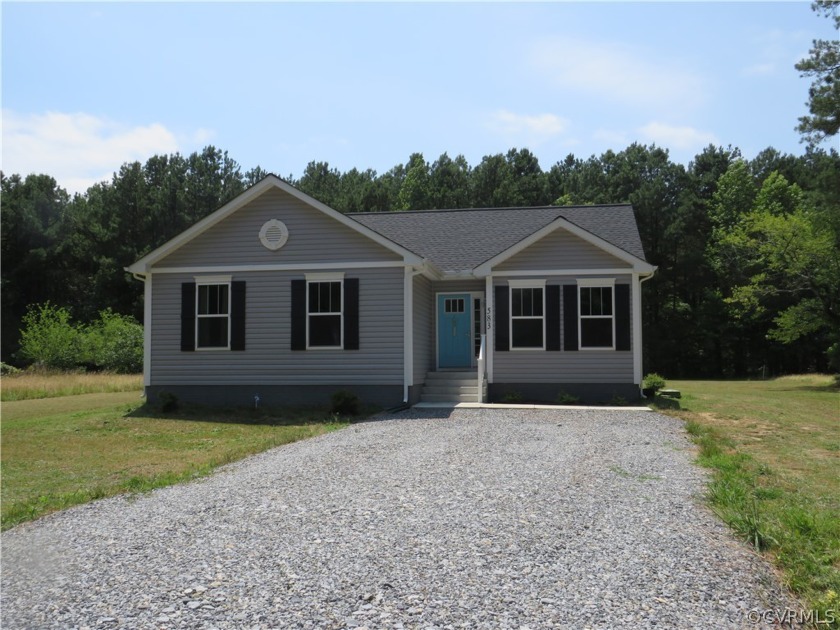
(450, 389)
(455, 386)
(451, 374)
(447, 398)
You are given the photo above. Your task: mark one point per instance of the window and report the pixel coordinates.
(597, 322)
(477, 325)
(324, 314)
(527, 319)
(213, 315)
(453, 305)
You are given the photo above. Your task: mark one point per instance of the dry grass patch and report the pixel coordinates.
(32, 384)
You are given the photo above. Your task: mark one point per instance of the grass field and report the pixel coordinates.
(774, 449)
(27, 385)
(59, 452)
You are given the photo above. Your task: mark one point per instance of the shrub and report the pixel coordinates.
(117, 343)
(168, 401)
(565, 398)
(49, 338)
(653, 381)
(512, 397)
(8, 370)
(345, 403)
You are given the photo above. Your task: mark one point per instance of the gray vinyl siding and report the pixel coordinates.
(313, 237)
(424, 329)
(579, 366)
(267, 358)
(561, 250)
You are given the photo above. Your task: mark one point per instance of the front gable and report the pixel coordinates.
(231, 235)
(561, 250)
(585, 250)
(313, 237)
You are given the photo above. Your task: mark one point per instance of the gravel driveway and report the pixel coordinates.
(433, 519)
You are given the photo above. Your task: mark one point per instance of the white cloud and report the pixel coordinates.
(675, 137)
(774, 50)
(532, 129)
(78, 149)
(618, 73)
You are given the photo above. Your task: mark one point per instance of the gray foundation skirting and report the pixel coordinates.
(275, 395)
(587, 393)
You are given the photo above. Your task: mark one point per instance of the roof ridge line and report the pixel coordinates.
(440, 210)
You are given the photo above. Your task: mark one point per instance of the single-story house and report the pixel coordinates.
(278, 296)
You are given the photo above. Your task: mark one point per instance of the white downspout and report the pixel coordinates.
(637, 326)
(146, 279)
(408, 328)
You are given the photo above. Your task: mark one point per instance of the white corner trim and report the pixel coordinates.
(637, 263)
(636, 310)
(267, 183)
(147, 331)
(408, 331)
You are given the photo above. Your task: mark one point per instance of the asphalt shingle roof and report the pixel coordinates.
(460, 240)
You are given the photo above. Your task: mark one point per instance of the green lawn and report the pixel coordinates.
(58, 452)
(774, 448)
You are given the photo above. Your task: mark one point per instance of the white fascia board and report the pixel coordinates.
(265, 184)
(466, 274)
(564, 272)
(430, 271)
(278, 267)
(637, 264)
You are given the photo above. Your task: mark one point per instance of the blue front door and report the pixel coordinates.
(453, 330)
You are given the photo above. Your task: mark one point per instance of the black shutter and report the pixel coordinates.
(237, 315)
(622, 317)
(351, 314)
(187, 316)
(298, 314)
(502, 320)
(570, 317)
(552, 317)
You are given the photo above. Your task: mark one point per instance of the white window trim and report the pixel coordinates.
(319, 278)
(588, 283)
(525, 284)
(212, 281)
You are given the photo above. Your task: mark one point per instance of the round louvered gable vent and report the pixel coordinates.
(274, 234)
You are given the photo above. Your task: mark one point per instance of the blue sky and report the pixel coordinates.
(87, 87)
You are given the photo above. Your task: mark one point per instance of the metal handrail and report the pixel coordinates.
(481, 375)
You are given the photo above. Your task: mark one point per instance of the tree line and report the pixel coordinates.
(748, 250)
